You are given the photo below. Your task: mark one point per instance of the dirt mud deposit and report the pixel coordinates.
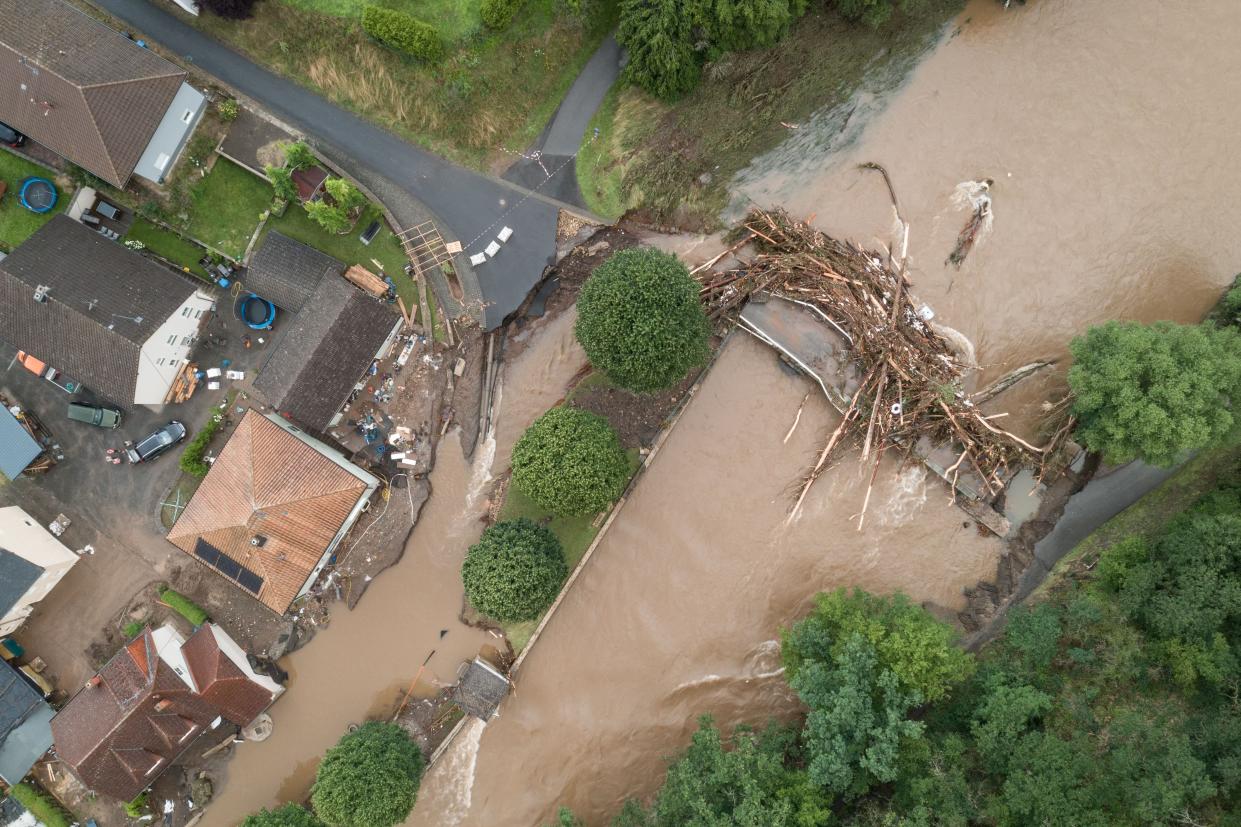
(1113, 162)
(678, 611)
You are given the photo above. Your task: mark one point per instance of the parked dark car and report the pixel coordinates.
(10, 136)
(150, 447)
(101, 415)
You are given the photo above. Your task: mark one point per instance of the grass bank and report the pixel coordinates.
(675, 161)
(494, 91)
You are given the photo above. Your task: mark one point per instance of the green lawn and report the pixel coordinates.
(168, 245)
(226, 207)
(453, 18)
(16, 222)
(598, 172)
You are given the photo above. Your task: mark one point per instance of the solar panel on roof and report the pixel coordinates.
(250, 581)
(228, 567)
(206, 552)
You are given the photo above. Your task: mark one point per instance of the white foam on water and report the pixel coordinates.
(451, 788)
(906, 499)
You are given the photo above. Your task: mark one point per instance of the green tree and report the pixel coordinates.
(876, 12)
(403, 32)
(1050, 781)
(746, 780)
(344, 194)
(660, 41)
(498, 14)
(1151, 771)
(289, 815)
(570, 462)
(514, 571)
(858, 721)
(737, 25)
(1007, 713)
(369, 779)
(328, 216)
(640, 322)
(908, 641)
(298, 155)
(1153, 392)
(282, 182)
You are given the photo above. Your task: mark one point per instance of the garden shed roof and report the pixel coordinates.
(481, 689)
(286, 272)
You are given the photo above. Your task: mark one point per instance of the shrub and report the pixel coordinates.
(282, 182)
(192, 457)
(369, 779)
(183, 606)
(403, 32)
(497, 14)
(135, 808)
(229, 9)
(1230, 305)
(328, 216)
(660, 41)
(514, 570)
(570, 462)
(640, 321)
(1153, 392)
(41, 805)
(299, 156)
(344, 194)
(132, 629)
(290, 815)
(229, 109)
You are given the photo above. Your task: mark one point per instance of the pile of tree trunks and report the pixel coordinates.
(368, 281)
(912, 379)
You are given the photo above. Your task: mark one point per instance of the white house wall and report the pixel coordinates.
(168, 348)
(21, 535)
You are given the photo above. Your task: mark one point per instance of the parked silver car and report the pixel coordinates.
(150, 447)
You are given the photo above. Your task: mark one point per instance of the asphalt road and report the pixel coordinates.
(467, 206)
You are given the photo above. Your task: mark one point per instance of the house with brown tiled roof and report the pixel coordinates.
(116, 321)
(91, 94)
(274, 507)
(149, 703)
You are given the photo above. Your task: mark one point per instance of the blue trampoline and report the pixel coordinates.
(38, 194)
(258, 312)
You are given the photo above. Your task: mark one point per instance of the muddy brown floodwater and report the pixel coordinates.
(360, 666)
(1107, 131)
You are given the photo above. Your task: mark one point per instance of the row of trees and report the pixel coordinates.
(669, 41)
(369, 779)
(1112, 701)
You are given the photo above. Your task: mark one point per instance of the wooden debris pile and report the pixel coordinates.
(911, 379)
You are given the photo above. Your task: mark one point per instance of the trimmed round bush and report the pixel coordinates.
(640, 322)
(498, 14)
(369, 779)
(403, 32)
(570, 462)
(514, 571)
(289, 815)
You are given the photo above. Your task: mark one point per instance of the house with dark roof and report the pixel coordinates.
(17, 447)
(116, 321)
(25, 731)
(32, 562)
(148, 704)
(273, 508)
(322, 354)
(90, 94)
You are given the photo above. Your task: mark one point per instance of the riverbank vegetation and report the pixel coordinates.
(369, 779)
(1108, 699)
(673, 161)
(570, 462)
(493, 90)
(514, 571)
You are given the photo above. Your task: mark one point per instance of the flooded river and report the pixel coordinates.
(1111, 149)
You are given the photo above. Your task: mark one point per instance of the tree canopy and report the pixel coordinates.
(1153, 392)
(289, 815)
(570, 462)
(640, 321)
(514, 571)
(369, 779)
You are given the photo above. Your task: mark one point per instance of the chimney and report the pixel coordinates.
(94, 682)
(162, 705)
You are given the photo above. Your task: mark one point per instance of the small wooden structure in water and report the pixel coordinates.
(480, 689)
(817, 347)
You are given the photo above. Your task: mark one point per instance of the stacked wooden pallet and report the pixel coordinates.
(184, 385)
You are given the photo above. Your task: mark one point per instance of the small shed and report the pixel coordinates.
(17, 447)
(480, 689)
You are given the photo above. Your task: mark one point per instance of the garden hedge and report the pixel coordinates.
(403, 32)
(41, 805)
(570, 462)
(192, 457)
(183, 606)
(498, 14)
(514, 571)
